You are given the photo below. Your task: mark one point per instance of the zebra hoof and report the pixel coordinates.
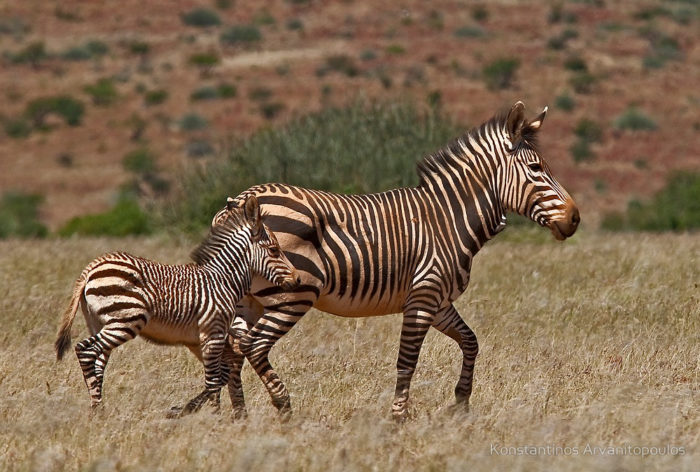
(175, 412)
(240, 414)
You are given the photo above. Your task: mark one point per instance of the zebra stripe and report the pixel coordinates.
(405, 250)
(123, 296)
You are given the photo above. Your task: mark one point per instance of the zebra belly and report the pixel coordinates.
(347, 307)
(169, 333)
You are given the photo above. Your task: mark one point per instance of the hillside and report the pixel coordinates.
(179, 83)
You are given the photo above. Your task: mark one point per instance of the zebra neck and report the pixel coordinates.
(231, 272)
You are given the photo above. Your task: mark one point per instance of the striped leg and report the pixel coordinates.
(256, 345)
(451, 324)
(416, 323)
(93, 352)
(235, 359)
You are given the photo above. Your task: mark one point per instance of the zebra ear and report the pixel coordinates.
(251, 209)
(537, 122)
(230, 203)
(514, 122)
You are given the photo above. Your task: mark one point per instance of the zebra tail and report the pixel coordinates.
(63, 340)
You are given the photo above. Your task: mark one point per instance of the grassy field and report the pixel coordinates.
(588, 344)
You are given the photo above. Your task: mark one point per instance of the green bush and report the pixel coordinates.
(339, 63)
(193, 122)
(634, 120)
(271, 109)
(260, 93)
(155, 97)
(103, 92)
(295, 24)
(76, 53)
(125, 218)
(204, 93)
(226, 90)
(139, 161)
(565, 102)
(19, 213)
(470, 32)
(201, 18)
(17, 128)
(662, 49)
(67, 107)
(675, 208)
(34, 53)
(582, 82)
(359, 149)
(205, 60)
(241, 34)
(139, 48)
(500, 73)
(589, 130)
(575, 63)
(581, 151)
(560, 41)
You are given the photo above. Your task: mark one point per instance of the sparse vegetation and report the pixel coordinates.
(633, 119)
(19, 215)
(17, 127)
(241, 34)
(561, 40)
(339, 63)
(582, 82)
(565, 102)
(201, 17)
(469, 32)
(155, 97)
(65, 106)
(205, 60)
(139, 161)
(103, 92)
(317, 151)
(33, 54)
(500, 73)
(675, 208)
(124, 219)
(193, 122)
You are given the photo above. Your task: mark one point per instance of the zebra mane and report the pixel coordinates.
(218, 237)
(445, 156)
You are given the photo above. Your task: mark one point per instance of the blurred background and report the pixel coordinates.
(129, 117)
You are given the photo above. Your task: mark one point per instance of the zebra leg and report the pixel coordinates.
(93, 352)
(256, 345)
(416, 323)
(451, 324)
(215, 374)
(235, 359)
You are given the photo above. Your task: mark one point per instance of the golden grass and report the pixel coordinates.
(591, 342)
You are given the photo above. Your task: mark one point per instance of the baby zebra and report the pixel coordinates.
(123, 296)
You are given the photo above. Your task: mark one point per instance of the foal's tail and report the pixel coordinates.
(63, 340)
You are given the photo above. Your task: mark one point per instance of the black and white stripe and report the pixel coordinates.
(123, 296)
(406, 250)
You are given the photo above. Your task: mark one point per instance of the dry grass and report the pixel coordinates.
(592, 342)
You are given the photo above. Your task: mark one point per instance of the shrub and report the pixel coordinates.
(560, 41)
(241, 34)
(205, 60)
(581, 151)
(339, 63)
(139, 48)
(204, 93)
(295, 24)
(199, 148)
(125, 218)
(318, 151)
(33, 54)
(155, 97)
(17, 128)
(259, 94)
(271, 109)
(675, 208)
(576, 64)
(103, 93)
(76, 53)
(139, 161)
(226, 90)
(480, 13)
(70, 109)
(395, 49)
(193, 122)
(662, 49)
(582, 82)
(469, 32)
(499, 74)
(201, 18)
(565, 102)
(97, 48)
(634, 120)
(589, 130)
(19, 213)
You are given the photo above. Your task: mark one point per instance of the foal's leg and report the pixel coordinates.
(93, 352)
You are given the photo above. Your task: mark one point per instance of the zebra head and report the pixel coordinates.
(267, 258)
(530, 188)
(238, 237)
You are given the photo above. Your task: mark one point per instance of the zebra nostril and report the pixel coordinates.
(575, 217)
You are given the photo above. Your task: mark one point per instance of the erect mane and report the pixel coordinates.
(445, 156)
(217, 237)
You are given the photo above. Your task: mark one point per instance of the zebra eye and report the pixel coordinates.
(535, 167)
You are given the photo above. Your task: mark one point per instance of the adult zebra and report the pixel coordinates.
(406, 250)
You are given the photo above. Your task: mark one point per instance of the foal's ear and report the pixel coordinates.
(230, 203)
(514, 122)
(251, 210)
(537, 122)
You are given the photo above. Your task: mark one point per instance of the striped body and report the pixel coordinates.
(407, 250)
(123, 296)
